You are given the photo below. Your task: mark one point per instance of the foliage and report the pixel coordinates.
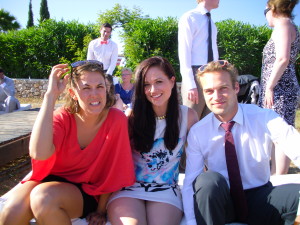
(30, 16)
(120, 15)
(32, 52)
(44, 12)
(150, 37)
(7, 21)
(242, 45)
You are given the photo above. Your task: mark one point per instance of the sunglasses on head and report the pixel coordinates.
(266, 11)
(221, 62)
(83, 62)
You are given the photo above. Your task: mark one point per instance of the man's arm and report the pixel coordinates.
(194, 166)
(113, 59)
(90, 53)
(285, 136)
(185, 42)
(8, 86)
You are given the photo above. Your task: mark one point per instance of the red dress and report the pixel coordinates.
(104, 166)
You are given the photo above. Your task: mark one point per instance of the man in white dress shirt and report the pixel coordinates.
(104, 49)
(193, 41)
(206, 195)
(8, 102)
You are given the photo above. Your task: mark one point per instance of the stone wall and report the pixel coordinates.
(36, 88)
(31, 88)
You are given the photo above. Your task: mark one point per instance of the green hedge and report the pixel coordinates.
(32, 52)
(149, 37)
(242, 44)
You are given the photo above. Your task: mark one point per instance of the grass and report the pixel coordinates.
(35, 102)
(297, 123)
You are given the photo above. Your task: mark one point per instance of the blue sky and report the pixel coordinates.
(247, 11)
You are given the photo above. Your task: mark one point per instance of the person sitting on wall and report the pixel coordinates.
(80, 152)
(234, 142)
(126, 88)
(8, 102)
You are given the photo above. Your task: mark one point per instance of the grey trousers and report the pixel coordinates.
(201, 107)
(267, 205)
(10, 104)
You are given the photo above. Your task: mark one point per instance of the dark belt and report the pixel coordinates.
(195, 69)
(196, 66)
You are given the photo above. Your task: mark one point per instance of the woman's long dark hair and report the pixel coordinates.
(142, 123)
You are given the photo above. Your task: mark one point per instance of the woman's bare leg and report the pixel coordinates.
(17, 209)
(127, 211)
(56, 203)
(162, 213)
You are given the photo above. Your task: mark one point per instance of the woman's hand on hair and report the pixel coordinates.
(58, 79)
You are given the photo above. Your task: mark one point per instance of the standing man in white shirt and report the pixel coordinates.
(193, 49)
(210, 197)
(8, 102)
(104, 49)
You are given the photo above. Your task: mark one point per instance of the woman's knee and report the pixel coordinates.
(43, 199)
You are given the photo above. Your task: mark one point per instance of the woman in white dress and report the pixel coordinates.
(158, 127)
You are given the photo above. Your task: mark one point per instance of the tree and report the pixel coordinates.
(44, 12)
(119, 15)
(30, 16)
(7, 21)
(150, 37)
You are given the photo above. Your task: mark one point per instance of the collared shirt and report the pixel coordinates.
(255, 131)
(193, 42)
(105, 53)
(7, 88)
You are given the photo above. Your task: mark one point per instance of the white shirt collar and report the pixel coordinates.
(238, 118)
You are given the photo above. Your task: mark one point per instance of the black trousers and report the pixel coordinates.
(267, 205)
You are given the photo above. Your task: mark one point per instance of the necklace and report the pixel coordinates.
(161, 117)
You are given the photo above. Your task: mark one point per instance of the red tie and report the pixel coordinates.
(103, 42)
(236, 186)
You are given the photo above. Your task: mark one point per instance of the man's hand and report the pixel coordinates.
(193, 95)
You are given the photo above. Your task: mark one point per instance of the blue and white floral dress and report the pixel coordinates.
(157, 171)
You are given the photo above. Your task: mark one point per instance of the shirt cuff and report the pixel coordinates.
(3, 85)
(191, 222)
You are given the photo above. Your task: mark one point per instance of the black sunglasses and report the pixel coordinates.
(266, 11)
(221, 62)
(83, 62)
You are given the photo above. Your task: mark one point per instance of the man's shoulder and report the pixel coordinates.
(205, 122)
(94, 41)
(260, 115)
(191, 14)
(8, 80)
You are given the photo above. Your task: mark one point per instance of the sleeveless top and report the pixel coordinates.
(161, 165)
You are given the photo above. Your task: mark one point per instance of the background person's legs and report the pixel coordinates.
(201, 107)
(11, 104)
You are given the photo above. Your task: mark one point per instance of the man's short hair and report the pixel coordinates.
(216, 66)
(106, 25)
(1, 70)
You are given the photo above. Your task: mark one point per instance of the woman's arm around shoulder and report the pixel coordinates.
(192, 118)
